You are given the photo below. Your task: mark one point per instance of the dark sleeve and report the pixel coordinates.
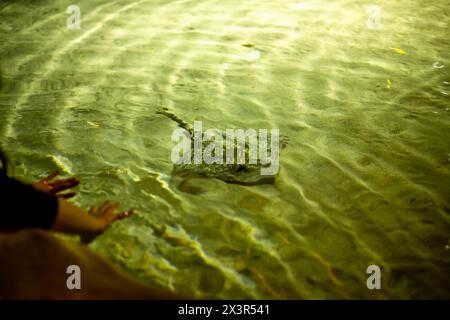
(21, 206)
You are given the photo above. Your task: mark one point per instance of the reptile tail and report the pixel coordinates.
(183, 124)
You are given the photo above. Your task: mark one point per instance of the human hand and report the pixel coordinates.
(106, 213)
(48, 185)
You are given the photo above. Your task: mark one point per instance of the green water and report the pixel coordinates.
(364, 180)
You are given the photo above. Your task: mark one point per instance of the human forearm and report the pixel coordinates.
(72, 219)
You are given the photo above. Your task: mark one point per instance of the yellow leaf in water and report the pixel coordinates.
(93, 124)
(399, 51)
(388, 84)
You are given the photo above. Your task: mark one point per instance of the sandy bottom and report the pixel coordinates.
(364, 180)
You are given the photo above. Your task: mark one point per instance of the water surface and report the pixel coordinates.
(364, 180)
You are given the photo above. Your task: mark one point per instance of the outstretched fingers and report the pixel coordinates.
(50, 177)
(64, 184)
(107, 211)
(124, 214)
(67, 195)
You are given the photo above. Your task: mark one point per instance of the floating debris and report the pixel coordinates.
(93, 124)
(438, 65)
(388, 84)
(399, 51)
(248, 45)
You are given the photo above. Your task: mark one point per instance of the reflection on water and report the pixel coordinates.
(364, 179)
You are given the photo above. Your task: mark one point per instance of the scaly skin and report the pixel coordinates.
(244, 174)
